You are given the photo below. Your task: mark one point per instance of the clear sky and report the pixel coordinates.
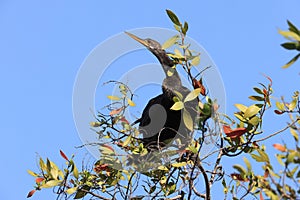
(44, 43)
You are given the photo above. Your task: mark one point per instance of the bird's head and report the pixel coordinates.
(152, 45)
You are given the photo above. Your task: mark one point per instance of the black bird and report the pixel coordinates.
(158, 123)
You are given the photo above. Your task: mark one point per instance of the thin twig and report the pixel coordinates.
(277, 132)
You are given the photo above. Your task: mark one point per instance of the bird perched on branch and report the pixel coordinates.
(158, 123)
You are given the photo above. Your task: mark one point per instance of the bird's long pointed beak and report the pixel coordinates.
(143, 42)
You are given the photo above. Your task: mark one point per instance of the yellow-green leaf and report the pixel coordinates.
(280, 106)
(32, 173)
(293, 104)
(248, 164)
(127, 141)
(95, 124)
(170, 71)
(240, 169)
(241, 107)
(42, 164)
(254, 120)
(75, 172)
(51, 183)
(180, 164)
(178, 53)
(192, 95)
(170, 42)
(188, 121)
(251, 111)
(177, 105)
(294, 134)
(71, 190)
(164, 168)
(130, 102)
(294, 59)
(289, 35)
(195, 61)
(114, 98)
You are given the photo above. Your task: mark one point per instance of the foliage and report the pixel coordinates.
(128, 170)
(293, 35)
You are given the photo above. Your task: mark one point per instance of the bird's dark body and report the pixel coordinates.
(158, 122)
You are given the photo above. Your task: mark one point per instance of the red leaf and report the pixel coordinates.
(198, 84)
(31, 193)
(268, 79)
(261, 196)
(38, 180)
(235, 132)
(63, 155)
(279, 147)
(123, 119)
(116, 111)
(238, 177)
(278, 112)
(100, 168)
(107, 146)
(266, 175)
(255, 145)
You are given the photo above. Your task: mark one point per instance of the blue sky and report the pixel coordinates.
(43, 45)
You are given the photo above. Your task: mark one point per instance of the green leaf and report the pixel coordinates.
(258, 90)
(180, 164)
(291, 61)
(192, 95)
(241, 107)
(248, 164)
(257, 158)
(32, 173)
(188, 121)
(71, 190)
(289, 45)
(177, 105)
(240, 169)
(185, 28)
(257, 98)
(291, 173)
(251, 111)
(130, 102)
(114, 98)
(170, 42)
(293, 28)
(254, 120)
(173, 17)
(75, 171)
(225, 190)
(80, 194)
(263, 155)
(195, 61)
(291, 156)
